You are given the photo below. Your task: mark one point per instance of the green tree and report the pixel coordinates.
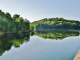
(15, 16)
(8, 16)
(31, 27)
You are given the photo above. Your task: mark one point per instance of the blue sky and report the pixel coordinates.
(35, 10)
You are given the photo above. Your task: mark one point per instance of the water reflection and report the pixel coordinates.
(55, 34)
(8, 40)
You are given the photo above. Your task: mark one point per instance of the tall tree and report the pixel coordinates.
(15, 16)
(8, 16)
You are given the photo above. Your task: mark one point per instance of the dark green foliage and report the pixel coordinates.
(15, 24)
(8, 16)
(55, 23)
(31, 33)
(55, 34)
(9, 40)
(79, 25)
(31, 27)
(15, 16)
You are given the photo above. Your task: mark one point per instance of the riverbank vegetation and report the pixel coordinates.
(13, 24)
(55, 23)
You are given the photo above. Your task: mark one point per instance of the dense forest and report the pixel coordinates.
(54, 23)
(17, 23)
(12, 24)
(9, 40)
(55, 34)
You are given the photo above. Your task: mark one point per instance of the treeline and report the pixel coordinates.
(55, 34)
(9, 40)
(12, 24)
(54, 23)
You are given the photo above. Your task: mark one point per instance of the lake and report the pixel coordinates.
(40, 45)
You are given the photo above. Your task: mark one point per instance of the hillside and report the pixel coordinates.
(12, 24)
(54, 23)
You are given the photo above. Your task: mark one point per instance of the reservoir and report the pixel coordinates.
(40, 45)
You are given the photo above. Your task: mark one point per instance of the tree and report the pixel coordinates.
(8, 16)
(15, 16)
(26, 20)
(31, 27)
(18, 19)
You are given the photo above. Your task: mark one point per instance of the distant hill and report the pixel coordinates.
(54, 23)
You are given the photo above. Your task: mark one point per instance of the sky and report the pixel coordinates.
(35, 10)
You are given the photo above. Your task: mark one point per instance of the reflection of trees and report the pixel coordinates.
(31, 33)
(56, 34)
(7, 40)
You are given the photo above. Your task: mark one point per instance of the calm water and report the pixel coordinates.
(50, 45)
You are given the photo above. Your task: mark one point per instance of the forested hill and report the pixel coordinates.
(12, 24)
(54, 23)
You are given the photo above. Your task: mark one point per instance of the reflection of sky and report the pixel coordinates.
(39, 9)
(44, 49)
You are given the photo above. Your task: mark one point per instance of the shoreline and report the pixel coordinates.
(77, 57)
(3, 33)
(57, 30)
